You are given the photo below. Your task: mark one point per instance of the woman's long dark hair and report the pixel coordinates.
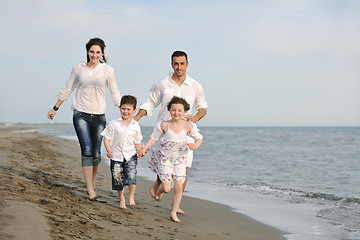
(100, 43)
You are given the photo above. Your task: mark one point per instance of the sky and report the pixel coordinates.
(261, 63)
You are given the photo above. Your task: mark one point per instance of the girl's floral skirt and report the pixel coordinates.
(168, 168)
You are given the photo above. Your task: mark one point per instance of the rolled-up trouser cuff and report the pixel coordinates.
(90, 161)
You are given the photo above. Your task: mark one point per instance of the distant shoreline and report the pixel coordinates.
(22, 125)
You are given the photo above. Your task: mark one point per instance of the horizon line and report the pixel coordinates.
(259, 126)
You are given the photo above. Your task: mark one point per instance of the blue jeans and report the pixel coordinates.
(88, 128)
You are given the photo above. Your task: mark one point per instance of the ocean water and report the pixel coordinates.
(302, 180)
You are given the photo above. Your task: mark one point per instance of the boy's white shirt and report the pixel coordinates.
(123, 138)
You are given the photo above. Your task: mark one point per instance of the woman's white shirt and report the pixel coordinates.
(89, 90)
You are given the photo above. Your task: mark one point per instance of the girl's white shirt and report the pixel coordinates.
(194, 133)
(89, 90)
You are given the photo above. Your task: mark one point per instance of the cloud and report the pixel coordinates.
(287, 54)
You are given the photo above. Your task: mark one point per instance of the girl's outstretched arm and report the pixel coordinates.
(145, 149)
(159, 129)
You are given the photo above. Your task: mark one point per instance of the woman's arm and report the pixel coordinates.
(65, 92)
(113, 88)
(52, 112)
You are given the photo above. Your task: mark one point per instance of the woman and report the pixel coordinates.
(88, 81)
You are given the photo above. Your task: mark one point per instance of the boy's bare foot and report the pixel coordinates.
(132, 204)
(123, 206)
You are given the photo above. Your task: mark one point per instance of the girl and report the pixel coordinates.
(169, 160)
(88, 81)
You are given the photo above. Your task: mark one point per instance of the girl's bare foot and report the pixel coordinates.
(154, 189)
(152, 192)
(158, 198)
(174, 218)
(179, 211)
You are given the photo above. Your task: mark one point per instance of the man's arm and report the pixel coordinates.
(140, 114)
(199, 115)
(151, 103)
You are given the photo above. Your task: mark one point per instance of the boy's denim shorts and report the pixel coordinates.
(123, 173)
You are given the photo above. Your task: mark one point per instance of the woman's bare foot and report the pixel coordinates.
(92, 195)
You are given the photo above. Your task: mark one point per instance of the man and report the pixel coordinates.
(177, 84)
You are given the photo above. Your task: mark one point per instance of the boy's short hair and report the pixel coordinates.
(128, 99)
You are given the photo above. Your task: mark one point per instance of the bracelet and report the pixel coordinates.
(55, 108)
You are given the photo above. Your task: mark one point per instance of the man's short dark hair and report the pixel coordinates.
(179, 54)
(128, 99)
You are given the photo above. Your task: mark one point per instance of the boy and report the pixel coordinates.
(122, 140)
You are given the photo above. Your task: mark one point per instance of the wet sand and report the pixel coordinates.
(43, 196)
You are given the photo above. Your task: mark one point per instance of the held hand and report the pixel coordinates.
(142, 153)
(51, 114)
(191, 119)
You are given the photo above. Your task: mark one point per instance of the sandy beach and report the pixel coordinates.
(43, 196)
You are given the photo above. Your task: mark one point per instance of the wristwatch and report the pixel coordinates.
(55, 108)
